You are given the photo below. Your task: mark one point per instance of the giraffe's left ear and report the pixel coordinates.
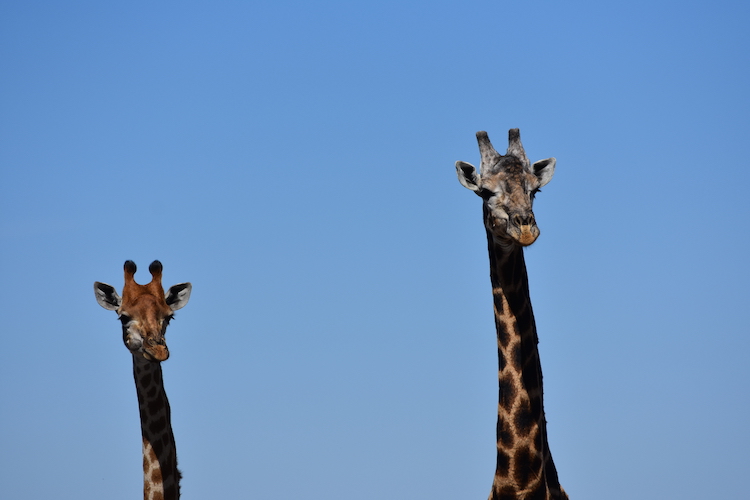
(178, 296)
(107, 296)
(468, 176)
(544, 169)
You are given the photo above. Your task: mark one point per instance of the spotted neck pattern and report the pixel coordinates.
(161, 478)
(525, 469)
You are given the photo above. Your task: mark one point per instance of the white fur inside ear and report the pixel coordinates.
(468, 176)
(178, 296)
(107, 296)
(544, 170)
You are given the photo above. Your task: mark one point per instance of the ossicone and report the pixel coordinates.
(489, 156)
(130, 269)
(155, 268)
(515, 147)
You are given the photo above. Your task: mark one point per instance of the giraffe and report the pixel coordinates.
(507, 185)
(145, 312)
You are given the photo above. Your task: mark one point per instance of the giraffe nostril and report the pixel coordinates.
(521, 220)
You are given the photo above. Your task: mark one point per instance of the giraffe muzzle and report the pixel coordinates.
(155, 351)
(528, 235)
(523, 228)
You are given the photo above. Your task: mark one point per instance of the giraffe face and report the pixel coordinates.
(144, 323)
(144, 310)
(508, 197)
(507, 186)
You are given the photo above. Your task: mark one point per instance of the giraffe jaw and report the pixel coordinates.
(522, 234)
(156, 353)
(516, 235)
(528, 235)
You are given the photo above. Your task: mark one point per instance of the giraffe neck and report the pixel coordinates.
(161, 478)
(524, 464)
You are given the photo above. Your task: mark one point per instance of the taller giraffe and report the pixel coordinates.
(507, 186)
(145, 312)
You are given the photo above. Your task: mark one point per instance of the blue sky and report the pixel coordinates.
(295, 162)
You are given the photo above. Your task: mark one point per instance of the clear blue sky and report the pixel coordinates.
(295, 162)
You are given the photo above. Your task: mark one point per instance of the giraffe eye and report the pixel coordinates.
(124, 318)
(165, 323)
(485, 194)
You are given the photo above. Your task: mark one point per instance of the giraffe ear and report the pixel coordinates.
(544, 169)
(178, 296)
(468, 176)
(106, 296)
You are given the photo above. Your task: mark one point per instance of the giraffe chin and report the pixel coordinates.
(527, 236)
(159, 354)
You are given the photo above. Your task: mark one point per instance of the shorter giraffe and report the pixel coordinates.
(145, 312)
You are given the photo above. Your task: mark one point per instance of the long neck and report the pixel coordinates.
(524, 464)
(161, 478)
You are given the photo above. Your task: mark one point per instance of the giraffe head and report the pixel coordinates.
(507, 185)
(144, 310)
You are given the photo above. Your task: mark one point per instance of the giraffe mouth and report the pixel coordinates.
(515, 230)
(524, 235)
(156, 353)
(529, 234)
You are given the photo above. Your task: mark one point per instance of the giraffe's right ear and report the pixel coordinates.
(106, 296)
(178, 295)
(544, 169)
(468, 176)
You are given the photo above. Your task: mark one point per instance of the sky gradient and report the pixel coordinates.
(294, 161)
